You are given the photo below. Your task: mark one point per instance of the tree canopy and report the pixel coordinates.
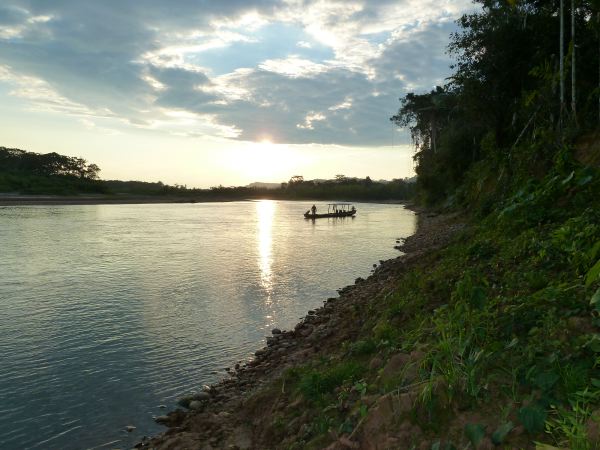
(504, 91)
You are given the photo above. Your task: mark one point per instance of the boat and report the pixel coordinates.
(334, 210)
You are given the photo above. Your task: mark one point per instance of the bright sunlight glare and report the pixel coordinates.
(264, 161)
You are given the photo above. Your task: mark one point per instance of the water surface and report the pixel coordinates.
(110, 311)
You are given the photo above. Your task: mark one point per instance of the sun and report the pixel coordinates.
(264, 161)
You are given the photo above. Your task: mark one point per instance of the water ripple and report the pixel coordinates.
(112, 310)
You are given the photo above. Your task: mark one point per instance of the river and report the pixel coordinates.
(110, 312)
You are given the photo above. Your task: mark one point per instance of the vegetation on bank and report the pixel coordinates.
(498, 333)
(33, 173)
(499, 330)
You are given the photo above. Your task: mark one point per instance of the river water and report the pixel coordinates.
(108, 313)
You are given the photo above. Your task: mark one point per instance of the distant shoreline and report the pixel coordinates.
(57, 200)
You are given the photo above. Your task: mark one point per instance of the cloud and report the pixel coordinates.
(301, 71)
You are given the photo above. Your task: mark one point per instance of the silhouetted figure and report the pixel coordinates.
(353, 209)
(313, 210)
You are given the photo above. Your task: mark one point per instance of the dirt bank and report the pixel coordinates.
(239, 412)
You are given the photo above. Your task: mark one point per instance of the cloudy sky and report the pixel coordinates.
(207, 92)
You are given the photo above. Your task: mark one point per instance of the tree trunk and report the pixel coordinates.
(562, 58)
(573, 60)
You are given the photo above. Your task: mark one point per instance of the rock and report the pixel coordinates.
(348, 443)
(165, 420)
(395, 365)
(195, 405)
(199, 397)
(592, 428)
(129, 428)
(184, 401)
(162, 406)
(275, 331)
(486, 444)
(375, 363)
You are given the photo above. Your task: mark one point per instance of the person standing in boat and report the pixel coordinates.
(313, 210)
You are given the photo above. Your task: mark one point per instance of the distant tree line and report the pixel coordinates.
(33, 173)
(13, 160)
(50, 173)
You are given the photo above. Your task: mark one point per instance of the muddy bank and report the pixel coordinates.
(238, 412)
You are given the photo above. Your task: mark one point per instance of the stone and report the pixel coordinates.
(129, 428)
(348, 443)
(195, 405)
(395, 365)
(275, 331)
(163, 420)
(375, 363)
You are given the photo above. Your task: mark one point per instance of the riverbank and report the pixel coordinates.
(234, 413)
(484, 335)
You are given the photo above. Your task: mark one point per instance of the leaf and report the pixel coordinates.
(569, 178)
(512, 343)
(585, 180)
(594, 251)
(363, 411)
(533, 418)
(594, 343)
(540, 446)
(593, 274)
(595, 301)
(545, 380)
(477, 299)
(501, 433)
(475, 433)
(595, 382)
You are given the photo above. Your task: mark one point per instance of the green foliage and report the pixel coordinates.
(475, 433)
(363, 347)
(498, 122)
(315, 384)
(533, 418)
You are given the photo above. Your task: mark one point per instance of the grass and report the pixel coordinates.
(502, 316)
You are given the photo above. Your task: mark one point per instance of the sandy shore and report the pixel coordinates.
(238, 411)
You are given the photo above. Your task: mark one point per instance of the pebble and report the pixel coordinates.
(275, 331)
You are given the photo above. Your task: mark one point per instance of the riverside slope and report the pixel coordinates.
(241, 411)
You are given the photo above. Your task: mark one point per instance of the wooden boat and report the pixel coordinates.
(334, 210)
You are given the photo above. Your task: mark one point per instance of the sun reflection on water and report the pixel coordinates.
(265, 210)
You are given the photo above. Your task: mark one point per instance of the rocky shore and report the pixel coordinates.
(238, 412)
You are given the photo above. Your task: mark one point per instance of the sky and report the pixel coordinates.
(229, 92)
